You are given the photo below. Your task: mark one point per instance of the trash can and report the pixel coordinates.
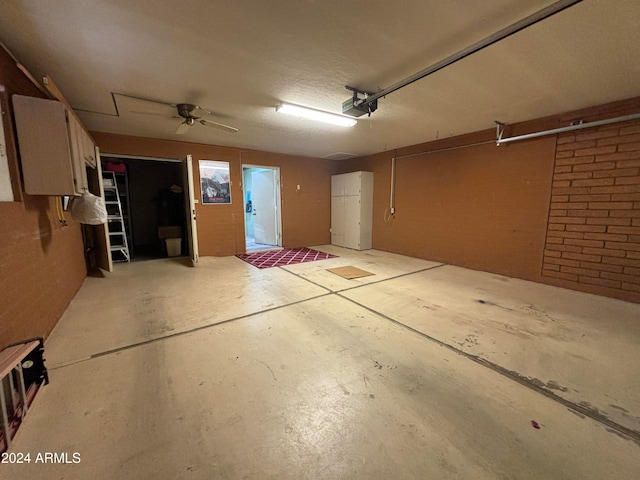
(174, 246)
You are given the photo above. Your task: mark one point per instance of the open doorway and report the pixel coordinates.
(151, 192)
(262, 219)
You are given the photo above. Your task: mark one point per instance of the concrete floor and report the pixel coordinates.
(424, 370)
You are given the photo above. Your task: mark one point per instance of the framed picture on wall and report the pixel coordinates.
(215, 182)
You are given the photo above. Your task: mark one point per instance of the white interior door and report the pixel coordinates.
(190, 205)
(265, 230)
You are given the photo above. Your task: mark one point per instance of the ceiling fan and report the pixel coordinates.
(189, 112)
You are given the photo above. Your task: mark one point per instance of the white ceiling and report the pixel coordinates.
(241, 58)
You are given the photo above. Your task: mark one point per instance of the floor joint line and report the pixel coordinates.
(364, 284)
(185, 332)
(632, 434)
(392, 278)
(303, 278)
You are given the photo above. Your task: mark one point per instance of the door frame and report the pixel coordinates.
(278, 194)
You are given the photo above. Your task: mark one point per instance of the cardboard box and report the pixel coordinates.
(170, 232)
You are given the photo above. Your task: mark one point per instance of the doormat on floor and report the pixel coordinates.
(350, 272)
(280, 258)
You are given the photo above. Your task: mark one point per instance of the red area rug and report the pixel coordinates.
(279, 258)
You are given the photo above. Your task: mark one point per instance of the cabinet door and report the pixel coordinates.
(337, 185)
(352, 183)
(51, 147)
(89, 150)
(337, 221)
(366, 211)
(77, 154)
(45, 153)
(352, 221)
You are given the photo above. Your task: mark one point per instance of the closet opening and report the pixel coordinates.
(152, 197)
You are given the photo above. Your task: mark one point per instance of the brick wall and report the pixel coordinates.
(41, 262)
(593, 233)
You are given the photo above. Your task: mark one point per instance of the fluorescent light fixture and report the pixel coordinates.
(318, 115)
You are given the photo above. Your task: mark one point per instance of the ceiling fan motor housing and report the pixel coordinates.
(185, 109)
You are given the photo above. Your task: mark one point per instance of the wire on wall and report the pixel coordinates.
(390, 212)
(62, 221)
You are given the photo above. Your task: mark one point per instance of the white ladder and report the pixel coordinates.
(117, 229)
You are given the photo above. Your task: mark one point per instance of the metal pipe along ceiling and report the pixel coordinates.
(491, 39)
(500, 140)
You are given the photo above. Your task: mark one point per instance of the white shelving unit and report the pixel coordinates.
(352, 210)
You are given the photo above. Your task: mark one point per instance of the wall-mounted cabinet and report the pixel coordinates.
(54, 147)
(88, 149)
(352, 210)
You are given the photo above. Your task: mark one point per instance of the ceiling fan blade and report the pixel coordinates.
(218, 125)
(182, 128)
(148, 113)
(207, 111)
(146, 99)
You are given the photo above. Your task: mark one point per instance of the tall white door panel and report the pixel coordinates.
(265, 229)
(352, 221)
(190, 207)
(337, 221)
(352, 210)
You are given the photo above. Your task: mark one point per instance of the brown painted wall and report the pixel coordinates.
(41, 263)
(487, 208)
(306, 214)
(480, 207)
